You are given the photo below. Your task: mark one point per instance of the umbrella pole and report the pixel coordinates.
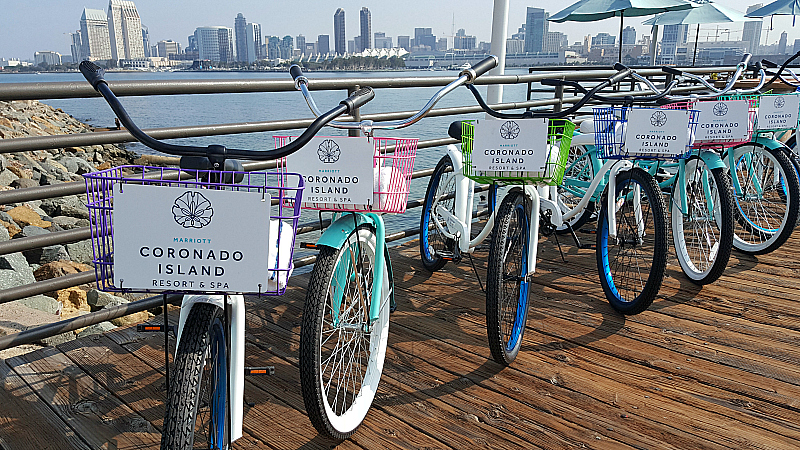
(696, 36)
(621, 20)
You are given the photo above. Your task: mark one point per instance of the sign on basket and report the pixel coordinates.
(723, 120)
(778, 112)
(192, 240)
(337, 170)
(657, 132)
(510, 145)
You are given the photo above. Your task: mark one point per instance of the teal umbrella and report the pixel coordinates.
(707, 12)
(593, 10)
(778, 8)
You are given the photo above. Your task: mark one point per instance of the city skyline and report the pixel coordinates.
(48, 26)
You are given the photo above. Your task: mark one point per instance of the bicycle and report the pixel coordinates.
(353, 261)
(212, 194)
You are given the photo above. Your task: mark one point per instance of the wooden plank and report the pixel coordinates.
(87, 407)
(27, 422)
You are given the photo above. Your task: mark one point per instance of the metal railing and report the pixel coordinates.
(62, 90)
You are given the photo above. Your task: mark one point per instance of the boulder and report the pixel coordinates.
(46, 255)
(14, 271)
(132, 319)
(98, 328)
(58, 268)
(65, 222)
(58, 339)
(24, 216)
(80, 251)
(74, 297)
(23, 183)
(76, 165)
(42, 303)
(99, 299)
(7, 177)
(10, 228)
(31, 231)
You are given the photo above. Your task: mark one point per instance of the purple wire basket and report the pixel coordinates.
(285, 189)
(610, 124)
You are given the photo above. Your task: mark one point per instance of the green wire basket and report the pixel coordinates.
(559, 134)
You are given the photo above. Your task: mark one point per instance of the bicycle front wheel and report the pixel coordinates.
(702, 230)
(766, 200)
(441, 194)
(506, 285)
(632, 263)
(196, 411)
(341, 352)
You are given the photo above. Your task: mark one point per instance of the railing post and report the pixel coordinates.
(559, 95)
(356, 113)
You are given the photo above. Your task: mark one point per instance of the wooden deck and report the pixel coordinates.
(709, 368)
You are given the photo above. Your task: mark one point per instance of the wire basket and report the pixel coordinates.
(393, 165)
(610, 127)
(101, 186)
(559, 138)
(756, 101)
(725, 142)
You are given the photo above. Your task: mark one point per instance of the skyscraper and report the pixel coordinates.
(339, 39)
(240, 28)
(674, 35)
(752, 31)
(629, 36)
(95, 43)
(146, 42)
(323, 44)
(253, 42)
(215, 43)
(124, 30)
(75, 48)
(782, 44)
(287, 47)
(404, 42)
(301, 43)
(536, 28)
(365, 20)
(168, 48)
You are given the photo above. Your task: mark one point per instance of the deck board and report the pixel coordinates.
(704, 368)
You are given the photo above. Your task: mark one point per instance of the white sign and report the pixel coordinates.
(336, 170)
(657, 132)
(778, 112)
(175, 238)
(723, 121)
(510, 145)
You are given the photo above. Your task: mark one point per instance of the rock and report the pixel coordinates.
(11, 228)
(70, 206)
(57, 339)
(104, 166)
(46, 255)
(58, 268)
(7, 177)
(42, 303)
(24, 216)
(65, 222)
(98, 328)
(4, 236)
(81, 251)
(74, 297)
(32, 230)
(5, 217)
(83, 223)
(14, 271)
(23, 183)
(99, 299)
(76, 165)
(133, 319)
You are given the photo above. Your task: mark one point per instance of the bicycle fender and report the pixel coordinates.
(771, 144)
(335, 235)
(236, 371)
(713, 160)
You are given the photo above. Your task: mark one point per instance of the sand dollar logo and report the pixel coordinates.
(509, 130)
(658, 119)
(720, 109)
(328, 151)
(192, 210)
(779, 102)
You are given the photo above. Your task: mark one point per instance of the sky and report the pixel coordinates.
(27, 26)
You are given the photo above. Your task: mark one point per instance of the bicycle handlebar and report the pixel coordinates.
(480, 68)
(94, 75)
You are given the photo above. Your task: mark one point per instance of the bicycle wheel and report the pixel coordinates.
(578, 176)
(632, 264)
(341, 354)
(196, 413)
(766, 200)
(506, 286)
(442, 191)
(790, 150)
(703, 231)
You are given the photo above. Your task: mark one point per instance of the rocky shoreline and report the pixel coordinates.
(21, 170)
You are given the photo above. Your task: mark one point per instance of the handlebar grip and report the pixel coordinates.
(358, 98)
(769, 64)
(620, 67)
(746, 58)
(671, 71)
(552, 82)
(295, 71)
(454, 131)
(92, 72)
(620, 75)
(480, 68)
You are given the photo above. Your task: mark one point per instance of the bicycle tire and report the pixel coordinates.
(334, 269)
(629, 293)
(202, 341)
(431, 242)
(506, 287)
(704, 252)
(763, 220)
(791, 152)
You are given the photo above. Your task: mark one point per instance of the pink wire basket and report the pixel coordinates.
(720, 143)
(393, 165)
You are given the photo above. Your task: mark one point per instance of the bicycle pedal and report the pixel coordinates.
(254, 371)
(153, 328)
(588, 230)
(308, 245)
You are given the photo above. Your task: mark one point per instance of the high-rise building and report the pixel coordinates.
(301, 42)
(75, 48)
(424, 37)
(796, 47)
(674, 35)
(323, 44)
(192, 44)
(441, 44)
(365, 19)
(357, 42)
(381, 41)
(274, 47)
(339, 39)
(146, 41)
(520, 34)
(553, 41)
(47, 59)
(629, 36)
(463, 42)
(536, 28)
(782, 44)
(240, 29)
(124, 30)
(168, 49)
(287, 47)
(215, 43)
(95, 42)
(253, 42)
(604, 39)
(751, 33)
(515, 46)
(351, 46)
(404, 42)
